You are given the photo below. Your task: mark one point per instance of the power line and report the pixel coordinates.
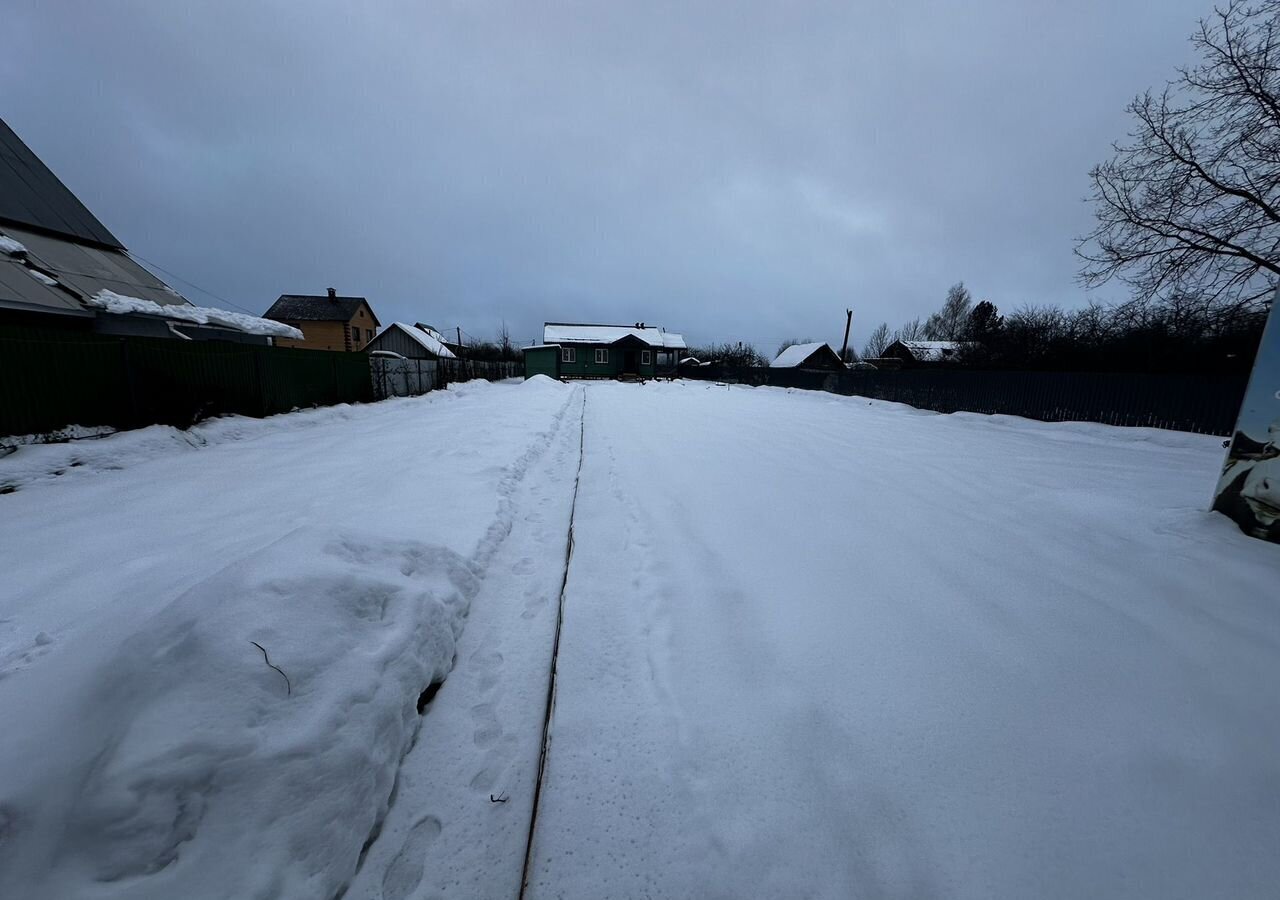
(189, 284)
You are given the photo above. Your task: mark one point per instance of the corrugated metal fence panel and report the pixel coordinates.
(50, 378)
(1200, 403)
(51, 375)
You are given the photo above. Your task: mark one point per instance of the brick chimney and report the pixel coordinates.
(332, 293)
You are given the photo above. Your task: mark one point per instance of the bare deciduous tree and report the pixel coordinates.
(912, 331)
(1190, 204)
(950, 322)
(876, 342)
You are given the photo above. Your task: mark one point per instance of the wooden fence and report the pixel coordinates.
(50, 378)
(1202, 403)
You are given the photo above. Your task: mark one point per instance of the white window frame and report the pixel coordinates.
(568, 354)
(602, 356)
(646, 357)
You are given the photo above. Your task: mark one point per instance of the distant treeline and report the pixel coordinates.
(1173, 334)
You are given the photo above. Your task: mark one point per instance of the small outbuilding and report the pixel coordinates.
(542, 359)
(817, 356)
(411, 342)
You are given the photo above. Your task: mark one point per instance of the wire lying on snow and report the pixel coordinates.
(287, 686)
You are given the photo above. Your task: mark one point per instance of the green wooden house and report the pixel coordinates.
(604, 351)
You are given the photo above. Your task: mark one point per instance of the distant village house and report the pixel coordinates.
(925, 353)
(327, 321)
(817, 356)
(570, 350)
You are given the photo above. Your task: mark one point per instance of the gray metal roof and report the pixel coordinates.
(315, 308)
(83, 269)
(31, 195)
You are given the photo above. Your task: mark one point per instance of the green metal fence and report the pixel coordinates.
(50, 378)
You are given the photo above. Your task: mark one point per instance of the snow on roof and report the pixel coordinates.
(565, 333)
(541, 347)
(10, 246)
(429, 343)
(933, 351)
(796, 354)
(434, 332)
(121, 305)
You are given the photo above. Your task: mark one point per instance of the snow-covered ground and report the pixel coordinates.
(148, 750)
(813, 646)
(823, 647)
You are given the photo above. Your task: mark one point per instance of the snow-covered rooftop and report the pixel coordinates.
(796, 354)
(563, 333)
(428, 342)
(933, 351)
(121, 305)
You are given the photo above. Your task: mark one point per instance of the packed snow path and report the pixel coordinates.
(813, 646)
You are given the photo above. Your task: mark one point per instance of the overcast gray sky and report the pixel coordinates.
(736, 171)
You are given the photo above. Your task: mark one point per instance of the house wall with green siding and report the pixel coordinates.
(584, 365)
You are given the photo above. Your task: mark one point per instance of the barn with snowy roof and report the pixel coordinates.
(605, 351)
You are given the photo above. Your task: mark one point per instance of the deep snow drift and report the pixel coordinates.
(149, 750)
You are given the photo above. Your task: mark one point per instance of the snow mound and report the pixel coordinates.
(542, 383)
(11, 247)
(120, 304)
(203, 752)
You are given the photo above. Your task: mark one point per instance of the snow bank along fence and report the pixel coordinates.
(50, 378)
(1201, 403)
(410, 377)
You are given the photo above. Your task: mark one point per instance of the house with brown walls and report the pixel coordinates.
(327, 321)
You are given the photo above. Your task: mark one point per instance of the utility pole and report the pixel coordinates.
(848, 320)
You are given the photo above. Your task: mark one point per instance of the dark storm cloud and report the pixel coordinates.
(739, 171)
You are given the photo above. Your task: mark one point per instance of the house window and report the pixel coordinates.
(646, 357)
(568, 354)
(602, 357)
(368, 334)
